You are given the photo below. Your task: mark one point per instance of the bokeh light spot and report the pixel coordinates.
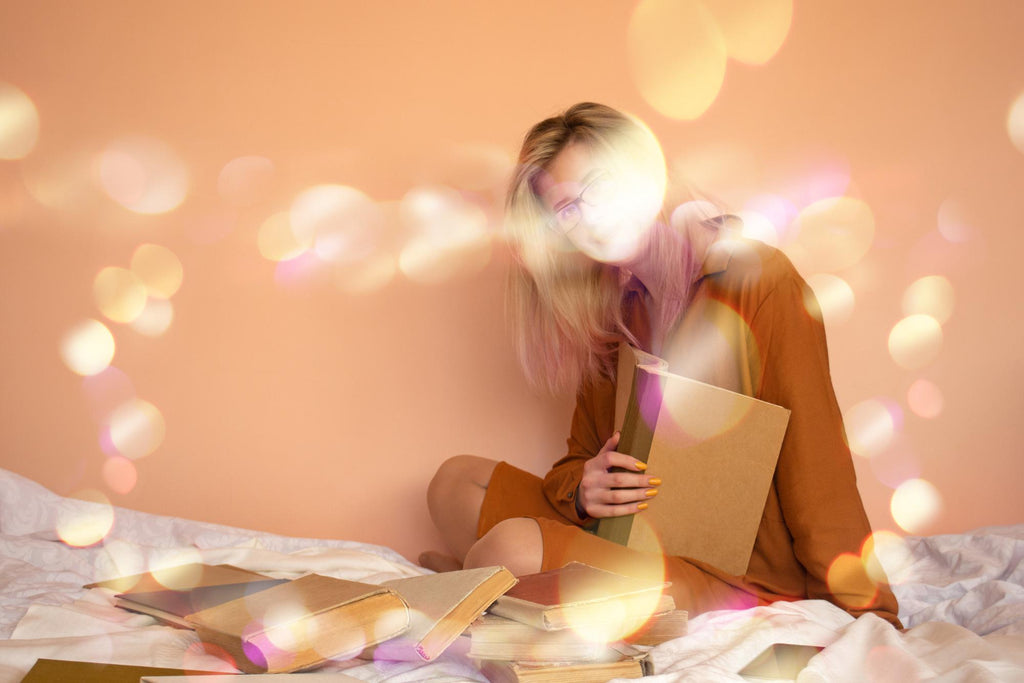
(143, 175)
(85, 518)
(757, 226)
(754, 30)
(915, 504)
(119, 293)
(925, 399)
(276, 240)
(120, 474)
(159, 270)
(19, 123)
(136, 428)
(931, 295)
(369, 274)
(155, 318)
(850, 583)
(887, 557)
(1015, 122)
(678, 56)
(341, 222)
(449, 235)
(246, 180)
(178, 568)
(954, 223)
(870, 427)
(915, 341)
(88, 348)
(834, 233)
(834, 296)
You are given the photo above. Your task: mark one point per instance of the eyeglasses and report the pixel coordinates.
(598, 191)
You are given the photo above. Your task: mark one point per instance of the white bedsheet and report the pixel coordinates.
(961, 598)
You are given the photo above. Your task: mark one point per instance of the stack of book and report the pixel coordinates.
(577, 623)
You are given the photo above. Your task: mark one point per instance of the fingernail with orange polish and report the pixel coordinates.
(640, 465)
(654, 481)
(651, 493)
(641, 506)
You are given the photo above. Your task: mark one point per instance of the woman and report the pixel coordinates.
(600, 261)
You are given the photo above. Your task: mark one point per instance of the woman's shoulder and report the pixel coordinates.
(753, 264)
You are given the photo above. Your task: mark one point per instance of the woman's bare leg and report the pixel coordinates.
(516, 544)
(454, 498)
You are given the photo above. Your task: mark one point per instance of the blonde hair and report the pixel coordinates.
(566, 310)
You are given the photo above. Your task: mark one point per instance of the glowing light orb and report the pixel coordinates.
(278, 242)
(870, 427)
(120, 474)
(677, 55)
(1015, 122)
(915, 341)
(757, 226)
(834, 296)
(62, 183)
(159, 270)
(85, 519)
(450, 235)
(178, 568)
(886, 557)
(119, 294)
(931, 295)
(341, 222)
(753, 30)
(88, 348)
(19, 123)
(136, 428)
(925, 399)
(915, 505)
(155, 318)
(835, 233)
(288, 629)
(143, 175)
(246, 180)
(849, 582)
(369, 274)
(953, 222)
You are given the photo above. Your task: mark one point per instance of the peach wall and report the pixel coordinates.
(292, 404)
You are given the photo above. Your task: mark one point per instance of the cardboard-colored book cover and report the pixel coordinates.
(65, 670)
(628, 666)
(302, 623)
(715, 451)
(494, 637)
(172, 606)
(441, 607)
(579, 594)
(179, 577)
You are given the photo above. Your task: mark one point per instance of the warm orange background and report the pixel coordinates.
(295, 406)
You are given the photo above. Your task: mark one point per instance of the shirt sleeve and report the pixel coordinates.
(815, 476)
(592, 425)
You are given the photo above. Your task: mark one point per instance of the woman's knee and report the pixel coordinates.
(455, 474)
(516, 544)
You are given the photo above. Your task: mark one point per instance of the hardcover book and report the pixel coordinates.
(715, 451)
(302, 623)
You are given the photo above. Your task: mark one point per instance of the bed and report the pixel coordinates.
(961, 599)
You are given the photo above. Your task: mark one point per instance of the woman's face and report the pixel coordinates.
(604, 209)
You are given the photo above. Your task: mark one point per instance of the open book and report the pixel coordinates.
(715, 451)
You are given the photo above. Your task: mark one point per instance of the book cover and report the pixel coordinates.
(495, 637)
(441, 607)
(578, 595)
(179, 577)
(302, 623)
(715, 451)
(51, 670)
(628, 666)
(172, 606)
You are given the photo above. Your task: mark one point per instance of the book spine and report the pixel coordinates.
(637, 434)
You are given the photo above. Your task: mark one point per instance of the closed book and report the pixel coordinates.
(494, 637)
(441, 607)
(70, 671)
(583, 597)
(302, 623)
(715, 451)
(178, 577)
(629, 666)
(172, 606)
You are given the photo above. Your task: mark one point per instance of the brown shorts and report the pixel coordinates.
(696, 587)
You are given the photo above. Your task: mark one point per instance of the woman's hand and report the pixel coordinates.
(613, 494)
